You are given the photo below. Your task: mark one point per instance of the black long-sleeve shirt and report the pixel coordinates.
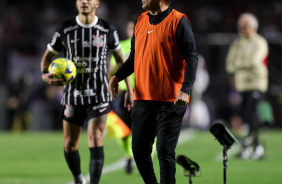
(186, 47)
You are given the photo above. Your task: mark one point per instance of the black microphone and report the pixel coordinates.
(222, 134)
(187, 164)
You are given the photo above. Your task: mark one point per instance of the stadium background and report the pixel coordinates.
(26, 27)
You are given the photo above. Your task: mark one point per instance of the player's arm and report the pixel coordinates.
(111, 70)
(53, 48)
(46, 76)
(120, 60)
(124, 69)
(187, 48)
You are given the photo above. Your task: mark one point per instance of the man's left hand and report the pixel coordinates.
(182, 99)
(128, 99)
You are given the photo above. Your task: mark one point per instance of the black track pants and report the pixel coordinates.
(151, 119)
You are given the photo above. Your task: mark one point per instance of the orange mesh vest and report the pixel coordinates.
(158, 66)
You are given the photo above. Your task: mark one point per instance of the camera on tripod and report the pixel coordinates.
(226, 139)
(190, 168)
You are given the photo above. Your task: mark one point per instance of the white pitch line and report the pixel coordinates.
(185, 135)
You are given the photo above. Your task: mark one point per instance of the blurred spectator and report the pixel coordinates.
(46, 107)
(19, 116)
(247, 63)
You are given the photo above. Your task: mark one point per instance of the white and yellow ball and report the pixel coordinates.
(63, 69)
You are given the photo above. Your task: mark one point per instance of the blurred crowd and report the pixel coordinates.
(26, 28)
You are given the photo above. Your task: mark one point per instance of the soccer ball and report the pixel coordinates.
(63, 69)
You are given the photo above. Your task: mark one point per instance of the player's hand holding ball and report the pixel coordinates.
(60, 72)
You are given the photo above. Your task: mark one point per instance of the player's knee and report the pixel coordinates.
(70, 147)
(71, 144)
(95, 138)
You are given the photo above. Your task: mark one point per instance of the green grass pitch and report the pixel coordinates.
(37, 158)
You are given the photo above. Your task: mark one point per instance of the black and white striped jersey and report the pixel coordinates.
(87, 46)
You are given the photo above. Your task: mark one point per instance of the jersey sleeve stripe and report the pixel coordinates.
(117, 48)
(52, 50)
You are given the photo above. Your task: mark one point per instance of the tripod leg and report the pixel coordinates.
(225, 158)
(190, 180)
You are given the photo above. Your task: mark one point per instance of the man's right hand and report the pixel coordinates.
(49, 79)
(113, 86)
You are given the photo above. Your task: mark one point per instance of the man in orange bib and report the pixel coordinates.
(164, 60)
